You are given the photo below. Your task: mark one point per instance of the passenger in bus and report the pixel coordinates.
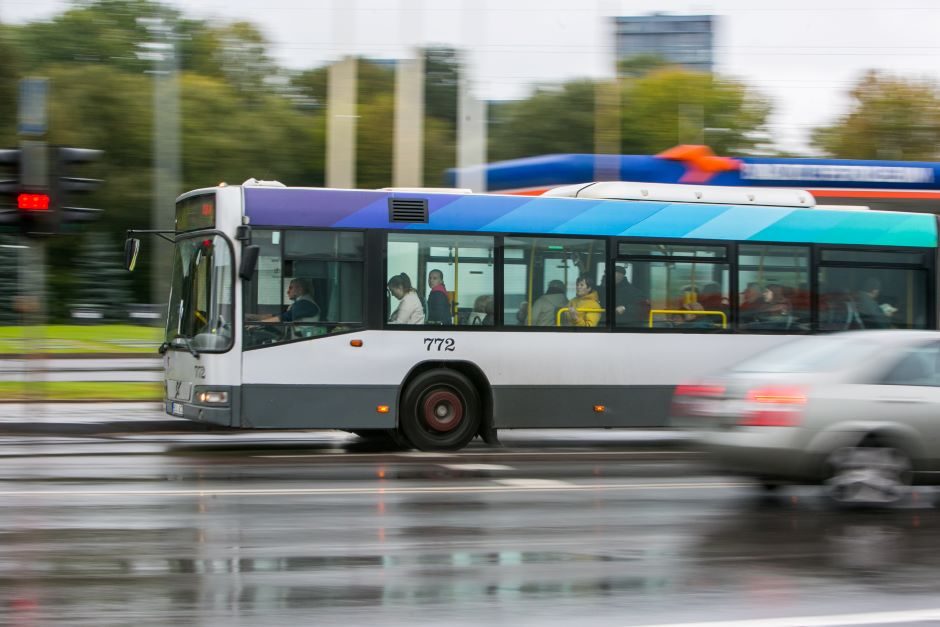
(303, 308)
(545, 308)
(800, 303)
(438, 300)
(774, 302)
(692, 320)
(586, 298)
(409, 310)
(772, 312)
(869, 310)
(751, 300)
(712, 299)
(483, 311)
(630, 304)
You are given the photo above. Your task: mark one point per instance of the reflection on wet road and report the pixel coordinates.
(197, 535)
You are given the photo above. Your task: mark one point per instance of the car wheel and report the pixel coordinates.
(868, 475)
(440, 411)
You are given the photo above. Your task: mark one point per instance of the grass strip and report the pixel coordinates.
(81, 391)
(56, 338)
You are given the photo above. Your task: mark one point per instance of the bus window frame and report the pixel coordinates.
(363, 259)
(498, 325)
(929, 266)
(728, 260)
(185, 235)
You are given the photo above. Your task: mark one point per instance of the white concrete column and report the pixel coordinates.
(471, 110)
(408, 151)
(341, 124)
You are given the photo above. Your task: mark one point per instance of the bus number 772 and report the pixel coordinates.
(442, 344)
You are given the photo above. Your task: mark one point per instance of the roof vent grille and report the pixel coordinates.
(412, 210)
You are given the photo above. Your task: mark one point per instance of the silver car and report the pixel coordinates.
(858, 412)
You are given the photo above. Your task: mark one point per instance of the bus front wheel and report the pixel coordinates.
(440, 411)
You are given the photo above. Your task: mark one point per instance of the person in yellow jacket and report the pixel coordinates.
(586, 298)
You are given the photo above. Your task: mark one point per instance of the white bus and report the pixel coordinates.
(279, 313)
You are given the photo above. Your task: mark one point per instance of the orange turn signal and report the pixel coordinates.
(382, 409)
(600, 409)
(355, 343)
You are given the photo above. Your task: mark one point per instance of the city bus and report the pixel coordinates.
(580, 308)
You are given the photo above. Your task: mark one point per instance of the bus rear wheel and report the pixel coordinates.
(440, 411)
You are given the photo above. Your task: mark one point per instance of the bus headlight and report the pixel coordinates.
(212, 397)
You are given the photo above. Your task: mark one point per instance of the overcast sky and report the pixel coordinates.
(803, 54)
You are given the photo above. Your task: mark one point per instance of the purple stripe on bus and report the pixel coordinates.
(306, 207)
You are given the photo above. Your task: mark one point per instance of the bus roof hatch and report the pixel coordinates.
(661, 192)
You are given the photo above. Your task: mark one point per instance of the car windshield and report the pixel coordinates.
(817, 354)
(200, 312)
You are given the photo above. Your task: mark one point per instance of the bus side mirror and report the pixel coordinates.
(131, 249)
(246, 269)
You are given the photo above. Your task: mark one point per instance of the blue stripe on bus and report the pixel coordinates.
(677, 219)
(845, 227)
(566, 216)
(600, 219)
(551, 215)
(739, 223)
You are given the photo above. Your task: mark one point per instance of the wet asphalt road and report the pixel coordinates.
(207, 530)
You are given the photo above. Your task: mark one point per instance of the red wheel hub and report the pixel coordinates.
(442, 410)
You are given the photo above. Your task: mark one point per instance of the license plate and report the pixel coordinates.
(176, 409)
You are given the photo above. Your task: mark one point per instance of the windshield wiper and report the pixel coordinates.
(187, 344)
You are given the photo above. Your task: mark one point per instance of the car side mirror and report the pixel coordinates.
(246, 269)
(131, 249)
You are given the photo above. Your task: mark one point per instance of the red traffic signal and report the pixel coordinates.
(32, 202)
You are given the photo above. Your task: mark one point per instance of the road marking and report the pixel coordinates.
(476, 466)
(567, 487)
(875, 618)
(534, 483)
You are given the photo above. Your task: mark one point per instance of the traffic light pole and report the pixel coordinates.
(30, 303)
(34, 175)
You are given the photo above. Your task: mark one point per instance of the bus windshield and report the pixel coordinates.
(200, 313)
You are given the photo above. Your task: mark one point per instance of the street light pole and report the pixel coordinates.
(166, 141)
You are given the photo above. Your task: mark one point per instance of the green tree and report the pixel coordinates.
(640, 65)
(671, 106)
(660, 109)
(552, 120)
(100, 31)
(8, 87)
(100, 278)
(442, 71)
(891, 118)
(225, 141)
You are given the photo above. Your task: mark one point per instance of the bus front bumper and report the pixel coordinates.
(218, 413)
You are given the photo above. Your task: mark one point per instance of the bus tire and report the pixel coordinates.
(440, 411)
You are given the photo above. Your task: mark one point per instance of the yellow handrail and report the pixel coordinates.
(585, 310)
(690, 312)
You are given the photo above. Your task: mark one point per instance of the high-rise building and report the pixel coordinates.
(684, 39)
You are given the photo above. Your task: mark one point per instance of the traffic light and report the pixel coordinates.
(25, 203)
(37, 184)
(64, 184)
(9, 185)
